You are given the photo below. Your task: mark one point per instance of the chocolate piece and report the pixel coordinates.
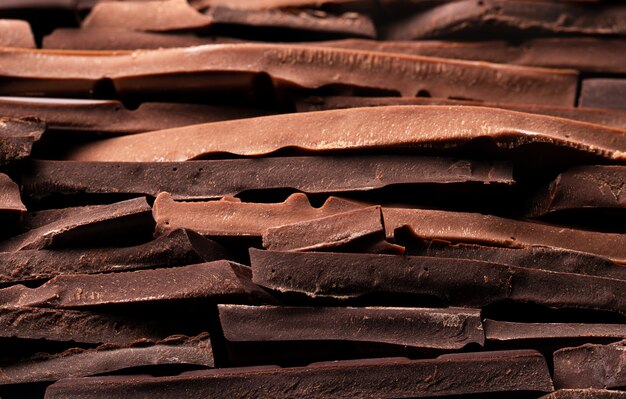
(590, 366)
(179, 350)
(583, 187)
(381, 378)
(114, 222)
(603, 93)
(35, 219)
(358, 129)
(478, 18)
(179, 247)
(17, 137)
(220, 68)
(474, 228)
(16, 33)
(222, 281)
(455, 282)
(451, 328)
(230, 217)
(218, 178)
(283, 4)
(10, 201)
(511, 331)
(585, 394)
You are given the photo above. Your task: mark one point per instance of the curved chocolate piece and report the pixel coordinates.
(455, 282)
(588, 393)
(474, 228)
(603, 93)
(450, 328)
(381, 378)
(358, 129)
(591, 366)
(16, 33)
(17, 137)
(511, 331)
(10, 200)
(478, 18)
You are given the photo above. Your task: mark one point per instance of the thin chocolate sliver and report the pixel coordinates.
(587, 393)
(16, 33)
(17, 137)
(513, 331)
(10, 200)
(36, 219)
(603, 93)
(590, 366)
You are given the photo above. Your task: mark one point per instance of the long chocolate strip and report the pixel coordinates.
(341, 5)
(359, 129)
(218, 178)
(17, 137)
(215, 281)
(512, 331)
(115, 221)
(36, 219)
(588, 393)
(582, 187)
(16, 33)
(455, 282)
(477, 18)
(603, 93)
(451, 328)
(591, 366)
(10, 200)
(179, 247)
(229, 67)
(474, 228)
(176, 350)
(381, 378)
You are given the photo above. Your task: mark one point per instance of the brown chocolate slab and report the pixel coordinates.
(131, 217)
(512, 331)
(474, 228)
(283, 4)
(214, 281)
(35, 219)
(455, 282)
(359, 129)
(231, 217)
(583, 187)
(10, 200)
(211, 68)
(478, 18)
(603, 93)
(590, 366)
(448, 328)
(218, 178)
(175, 350)
(17, 137)
(381, 378)
(16, 33)
(179, 247)
(585, 394)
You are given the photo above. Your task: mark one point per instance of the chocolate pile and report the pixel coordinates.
(312, 199)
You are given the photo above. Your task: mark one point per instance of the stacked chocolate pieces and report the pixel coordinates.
(312, 199)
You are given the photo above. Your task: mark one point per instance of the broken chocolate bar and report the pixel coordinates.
(513, 331)
(11, 206)
(36, 219)
(16, 33)
(504, 371)
(17, 137)
(588, 393)
(603, 93)
(339, 5)
(447, 328)
(590, 366)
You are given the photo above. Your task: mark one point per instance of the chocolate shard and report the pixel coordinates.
(603, 93)
(386, 127)
(115, 222)
(233, 67)
(580, 188)
(381, 378)
(474, 228)
(478, 18)
(10, 200)
(17, 137)
(232, 218)
(454, 282)
(193, 180)
(175, 350)
(222, 281)
(588, 393)
(16, 33)
(360, 230)
(339, 5)
(448, 328)
(513, 331)
(178, 247)
(36, 219)
(590, 366)
(110, 116)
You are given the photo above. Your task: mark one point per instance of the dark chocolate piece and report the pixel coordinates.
(221, 281)
(451, 328)
(340, 5)
(175, 350)
(504, 371)
(219, 178)
(603, 93)
(512, 331)
(17, 137)
(585, 394)
(16, 33)
(455, 282)
(591, 366)
(114, 222)
(10, 200)
(36, 219)
(179, 247)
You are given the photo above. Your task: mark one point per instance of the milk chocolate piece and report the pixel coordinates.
(16, 33)
(512, 331)
(381, 378)
(175, 350)
(590, 366)
(222, 281)
(230, 217)
(115, 222)
(218, 178)
(10, 201)
(220, 68)
(284, 4)
(17, 137)
(474, 228)
(585, 394)
(358, 129)
(179, 247)
(583, 187)
(451, 328)
(478, 18)
(603, 93)
(454, 282)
